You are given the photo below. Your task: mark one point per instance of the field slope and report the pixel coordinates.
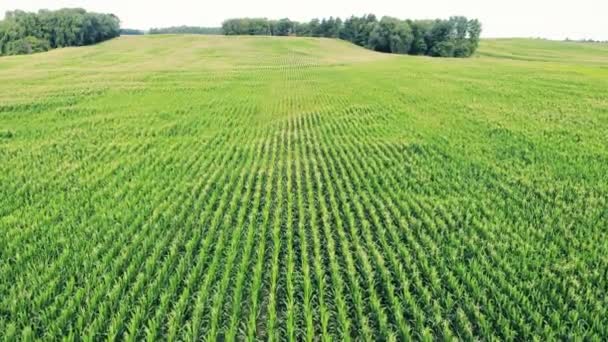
(190, 187)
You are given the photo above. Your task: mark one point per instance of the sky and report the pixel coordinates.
(552, 19)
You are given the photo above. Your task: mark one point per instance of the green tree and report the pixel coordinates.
(283, 27)
(391, 35)
(455, 37)
(442, 37)
(474, 32)
(27, 45)
(24, 32)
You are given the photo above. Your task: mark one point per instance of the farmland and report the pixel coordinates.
(188, 188)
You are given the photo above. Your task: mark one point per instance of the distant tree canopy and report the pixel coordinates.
(131, 32)
(24, 32)
(454, 37)
(586, 41)
(186, 30)
(248, 26)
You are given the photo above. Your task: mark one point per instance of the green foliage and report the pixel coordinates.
(391, 35)
(358, 29)
(304, 189)
(186, 30)
(26, 45)
(130, 32)
(283, 27)
(247, 26)
(456, 37)
(23, 33)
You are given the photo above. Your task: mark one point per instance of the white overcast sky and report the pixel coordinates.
(554, 19)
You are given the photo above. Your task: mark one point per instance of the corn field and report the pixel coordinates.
(229, 188)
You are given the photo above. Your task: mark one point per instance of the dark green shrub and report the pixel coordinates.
(27, 45)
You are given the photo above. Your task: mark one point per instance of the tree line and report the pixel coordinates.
(24, 32)
(453, 37)
(27, 32)
(587, 41)
(131, 32)
(186, 30)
